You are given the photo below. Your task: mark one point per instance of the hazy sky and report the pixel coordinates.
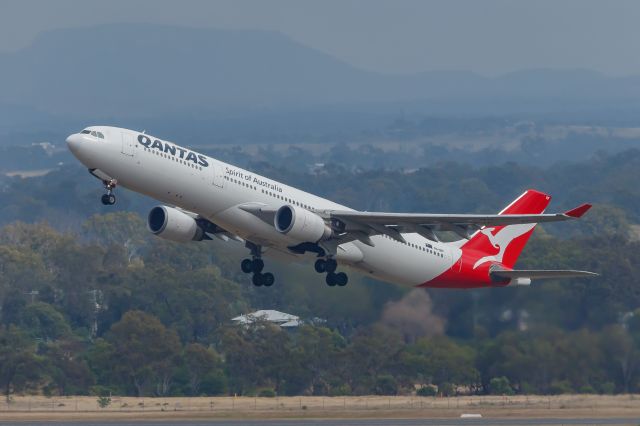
(399, 36)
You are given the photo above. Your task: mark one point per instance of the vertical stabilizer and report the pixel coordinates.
(503, 244)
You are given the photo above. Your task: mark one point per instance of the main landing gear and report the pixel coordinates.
(329, 266)
(109, 198)
(254, 266)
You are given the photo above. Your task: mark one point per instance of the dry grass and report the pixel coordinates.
(37, 407)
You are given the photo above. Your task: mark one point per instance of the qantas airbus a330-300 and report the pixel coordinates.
(205, 197)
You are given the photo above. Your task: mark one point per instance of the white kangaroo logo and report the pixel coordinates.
(502, 240)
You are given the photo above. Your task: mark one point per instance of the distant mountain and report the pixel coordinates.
(144, 70)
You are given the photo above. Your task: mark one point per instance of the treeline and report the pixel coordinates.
(74, 291)
(67, 197)
(140, 356)
(112, 309)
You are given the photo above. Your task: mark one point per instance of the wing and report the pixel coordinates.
(363, 224)
(353, 225)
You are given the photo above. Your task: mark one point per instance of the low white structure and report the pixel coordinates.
(276, 317)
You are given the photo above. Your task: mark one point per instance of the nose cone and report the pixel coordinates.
(82, 148)
(73, 142)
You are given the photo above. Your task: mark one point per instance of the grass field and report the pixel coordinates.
(38, 407)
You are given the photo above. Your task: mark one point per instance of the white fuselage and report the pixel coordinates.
(215, 190)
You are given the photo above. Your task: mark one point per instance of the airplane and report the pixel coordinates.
(203, 198)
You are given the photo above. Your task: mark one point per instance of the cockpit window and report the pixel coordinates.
(93, 133)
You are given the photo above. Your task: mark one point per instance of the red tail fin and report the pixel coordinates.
(503, 244)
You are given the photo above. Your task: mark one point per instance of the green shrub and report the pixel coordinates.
(386, 384)
(267, 393)
(104, 401)
(214, 383)
(500, 386)
(586, 389)
(427, 390)
(446, 389)
(527, 389)
(341, 390)
(607, 388)
(559, 387)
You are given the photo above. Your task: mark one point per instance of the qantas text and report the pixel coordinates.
(176, 151)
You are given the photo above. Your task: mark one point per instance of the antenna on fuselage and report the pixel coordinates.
(144, 131)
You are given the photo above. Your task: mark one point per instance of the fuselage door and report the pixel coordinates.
(127, 144)
(217, 178)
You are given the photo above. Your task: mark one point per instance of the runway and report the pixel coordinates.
(354, 422)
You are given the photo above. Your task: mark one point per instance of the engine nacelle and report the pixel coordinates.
(301, 224)
(174, 225)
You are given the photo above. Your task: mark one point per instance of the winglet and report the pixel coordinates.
(578, 211)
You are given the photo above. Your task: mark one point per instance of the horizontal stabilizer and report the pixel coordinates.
(539, 274)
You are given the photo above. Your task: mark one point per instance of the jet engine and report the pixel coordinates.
(300, 224)
(174, 225)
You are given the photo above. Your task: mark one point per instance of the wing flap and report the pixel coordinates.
(537, 274)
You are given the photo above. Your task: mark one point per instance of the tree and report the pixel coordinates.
(44, 321)
(259, 355)
(68, 372)
(240, 359)
(318, 349)
(622, 356)
(102, 361)
(440, 360)
(372, 352)
(125, 229)
(19, 365)
(144, 351)
(200, 361)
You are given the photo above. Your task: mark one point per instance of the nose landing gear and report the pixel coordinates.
(109, 198)
(329, 266)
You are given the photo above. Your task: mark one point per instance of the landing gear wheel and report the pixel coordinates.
(330, 265)
(257, 265)
(268, 279)
(341, 279)
(321, 266)
(331, 279)
(108, 199)
(257, 280)
(247, 266)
